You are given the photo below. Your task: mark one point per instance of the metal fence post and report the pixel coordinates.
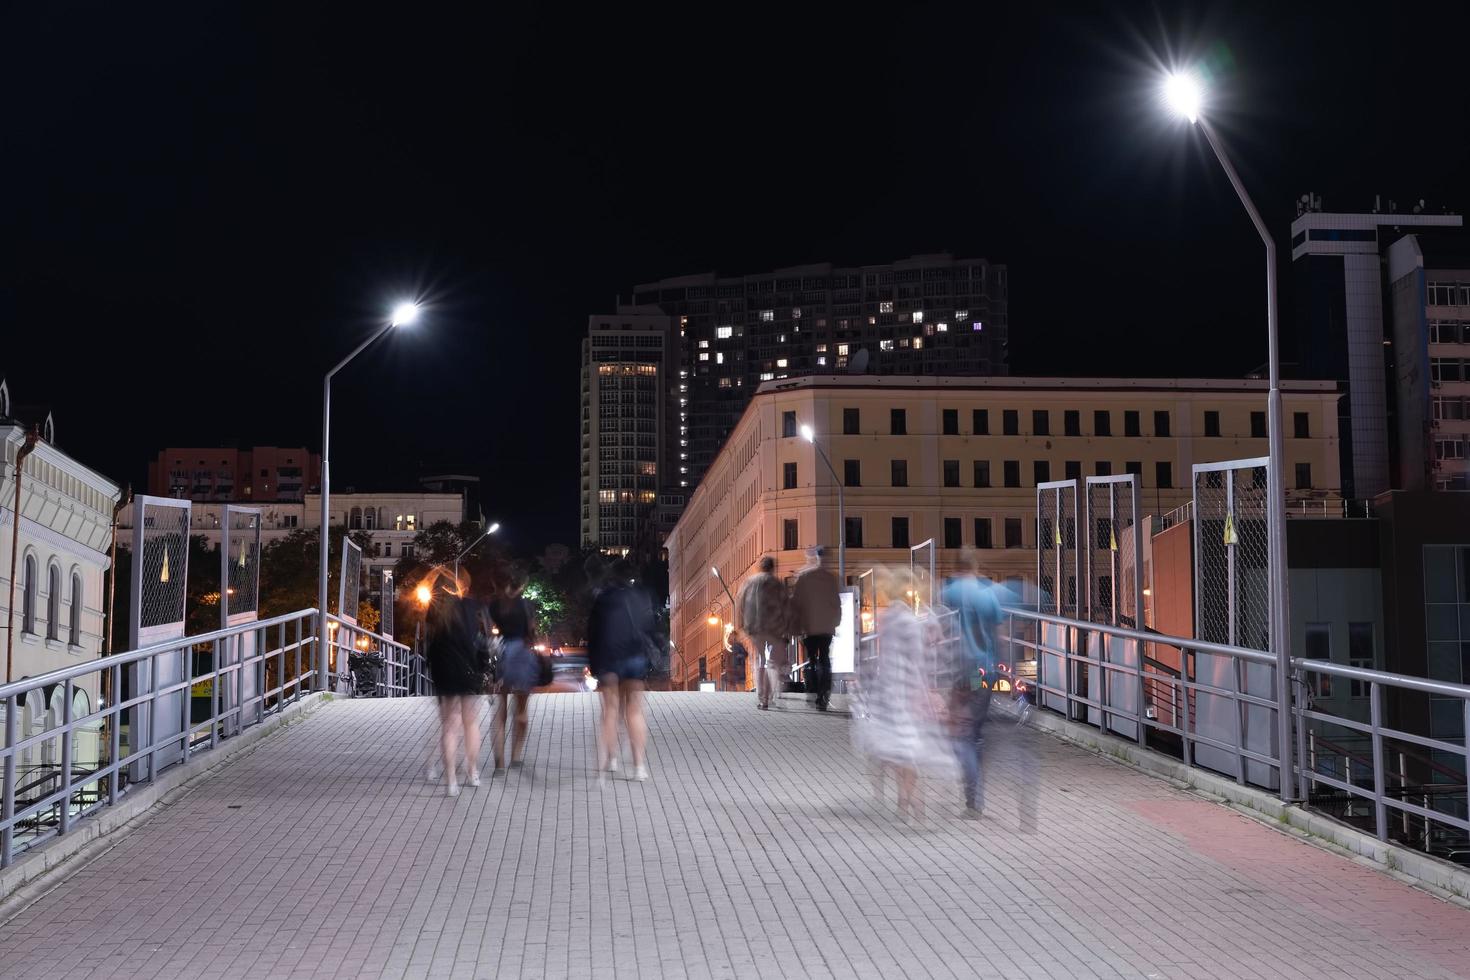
(114, 736)
(1299, 723)
(1375, 709)
(66, 742)
(7, 791)
(186, 698)
(1184, 682)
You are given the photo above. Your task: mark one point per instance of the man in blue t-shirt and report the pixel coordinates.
(977, 603)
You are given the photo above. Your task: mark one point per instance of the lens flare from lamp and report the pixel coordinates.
(1183, 93)
(423, 594)
(808, 434)
(405, 314)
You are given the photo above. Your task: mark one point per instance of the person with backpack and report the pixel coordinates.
(621, 649)
(458, 662)
(762, 615)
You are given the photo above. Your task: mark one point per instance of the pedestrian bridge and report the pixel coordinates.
(757, 848)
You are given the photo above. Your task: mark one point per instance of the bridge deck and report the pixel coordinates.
(756, 849)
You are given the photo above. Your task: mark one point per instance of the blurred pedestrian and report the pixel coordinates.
(520, 668)
(620, 642)
(976, 604)
(458, 660)
(816, 612)
(897, 725)
(762, 615)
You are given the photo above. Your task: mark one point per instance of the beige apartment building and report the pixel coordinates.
(956, 460)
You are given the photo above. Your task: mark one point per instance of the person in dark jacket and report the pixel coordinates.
(520, 668)
(457, 663)
(619, 634)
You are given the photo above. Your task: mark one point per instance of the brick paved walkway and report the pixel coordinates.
(756, 850)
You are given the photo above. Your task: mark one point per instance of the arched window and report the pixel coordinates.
(53, 602)
(75, 639)
(355, 522)
(28, 597)
(369, 519)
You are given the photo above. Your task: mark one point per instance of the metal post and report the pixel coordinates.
(841, 517)
(114, 735)
(1276, 504)
(1184, 703)
(7, 791)
(1375, 715)
(66, 744)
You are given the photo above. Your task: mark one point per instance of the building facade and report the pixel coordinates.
(629, 396)
(60, 541)
(957, 460)
(259, 474)
(1343, 285)
(925, 315)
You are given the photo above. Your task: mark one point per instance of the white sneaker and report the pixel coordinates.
(452, 789)
(474, 777)
(641, 774)
(612, 764)
(434, 774)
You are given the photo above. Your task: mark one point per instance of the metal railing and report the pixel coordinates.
(385, 667)
(1085, 676)
(157, 706)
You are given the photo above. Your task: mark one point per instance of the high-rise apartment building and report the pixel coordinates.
(925, 315)
(1341, 284)
(629, 397)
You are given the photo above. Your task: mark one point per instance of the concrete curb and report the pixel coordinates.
(31, 874)
(1318, 829)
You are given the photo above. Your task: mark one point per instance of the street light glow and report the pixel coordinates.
(493, 528)
(1183, 94)
(404, 314)
(808, 434)
(423, 594)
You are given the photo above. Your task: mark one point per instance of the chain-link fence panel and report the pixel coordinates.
(1232, 582)
(349, 587)
(1058, 568)
(1114, 595)
(240, 555)
(386, 602)
(161, 557)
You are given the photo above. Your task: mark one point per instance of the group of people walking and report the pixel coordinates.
(484, 649)
(769, 614)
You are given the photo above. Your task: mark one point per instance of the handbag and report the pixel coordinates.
(652, 651)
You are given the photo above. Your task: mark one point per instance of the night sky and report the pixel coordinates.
(207, 205)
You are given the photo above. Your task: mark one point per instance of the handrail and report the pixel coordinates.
(124, 657)
(1421, 684)
(1123, 632)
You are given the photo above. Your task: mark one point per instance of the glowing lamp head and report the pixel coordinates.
(808, 434)
(714, 620)
(405, 314)
(1183, 94)
(423, 594)
(493, 528)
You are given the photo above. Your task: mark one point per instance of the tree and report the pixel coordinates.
(288, 570)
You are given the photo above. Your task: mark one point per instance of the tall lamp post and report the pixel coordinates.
(488, 531)
(811, 437)
(403, 315)
(1184, 94)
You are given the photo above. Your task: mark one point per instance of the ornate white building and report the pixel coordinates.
(60, 556)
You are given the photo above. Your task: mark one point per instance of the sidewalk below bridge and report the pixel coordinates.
(757, 848)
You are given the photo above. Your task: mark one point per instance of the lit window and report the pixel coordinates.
(724, 333)
(796, 313)
(821, 348)
(961, 314)
(607, 496)
(842, 350)
(724, 383)
(872, 320)
(703, 344)
(720, 357)
(767, 316)
(768, 376)
(918, 316)
(781, 339)
(918, 343)
(942, 327)
(821, 360)
(884, 307)
(704, 355)
(885, 345)
(977, 325)
(781, 362)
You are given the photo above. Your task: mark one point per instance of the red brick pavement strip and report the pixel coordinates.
(756, 849)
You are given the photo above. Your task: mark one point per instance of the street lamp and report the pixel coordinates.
(403, 315)
(811, 437)
(488, 531)
(1184, 94)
